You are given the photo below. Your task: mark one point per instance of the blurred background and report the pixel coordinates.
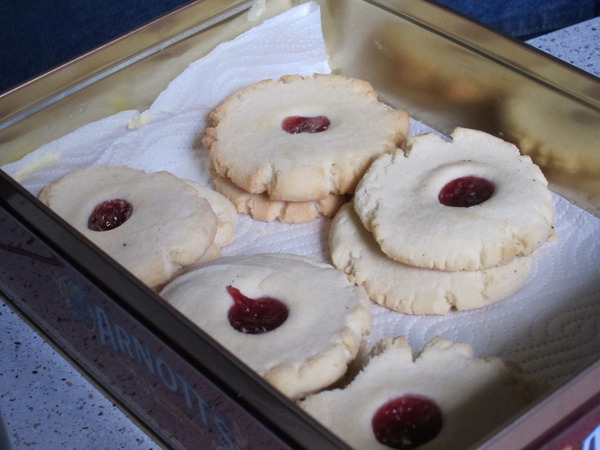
(38, 35)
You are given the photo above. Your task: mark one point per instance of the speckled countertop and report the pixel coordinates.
(578, 45)
(47, 404)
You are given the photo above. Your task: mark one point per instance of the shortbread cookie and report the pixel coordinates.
(470, 204)
(261, 207)
(413, 290)
(302, 138)
(445, 398)
(224, 211)
(296, 322)
(153, 224)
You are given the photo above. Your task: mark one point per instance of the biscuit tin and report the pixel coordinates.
(179, 384)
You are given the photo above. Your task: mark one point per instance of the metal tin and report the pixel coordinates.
(181, 385)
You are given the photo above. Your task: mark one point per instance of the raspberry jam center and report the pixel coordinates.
(255, 316)
(407, 422)
(109, 214)
(301, 124)
(466, 191)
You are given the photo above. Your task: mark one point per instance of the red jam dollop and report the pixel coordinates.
(466, 191)
(255, 316)
(300, 124)
(407, 422)
(110, 214)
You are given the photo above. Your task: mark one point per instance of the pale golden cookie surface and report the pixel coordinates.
(413, 290)
(327, 321)
(474, 396)
(170, 227)
(249, 146)
(397, 200)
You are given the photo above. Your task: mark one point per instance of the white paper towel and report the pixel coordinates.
(551, 327)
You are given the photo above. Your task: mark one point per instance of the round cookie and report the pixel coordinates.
(442, 399)
(169, 227)
(321, 317)
(413, 290)
(399, 201)
(249, 144)
(261, 207)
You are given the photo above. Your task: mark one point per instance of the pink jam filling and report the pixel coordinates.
(407, 422)
(466, 191)
(110, 214)
(300, 124)
(255, 316)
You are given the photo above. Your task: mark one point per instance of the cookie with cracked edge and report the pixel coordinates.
(443, 398)
(281, 338)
